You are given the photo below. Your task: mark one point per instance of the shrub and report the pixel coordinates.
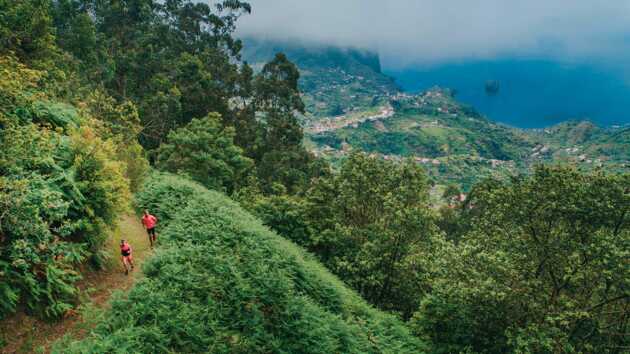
(205, 151)
(60, 189)
(224, 283)
(58, 195)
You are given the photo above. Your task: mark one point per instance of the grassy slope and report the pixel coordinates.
(222, 282)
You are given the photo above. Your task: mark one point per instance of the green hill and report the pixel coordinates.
(584, 141)
(457, 144)
(430, 125)
(222, 282)
(334, 80)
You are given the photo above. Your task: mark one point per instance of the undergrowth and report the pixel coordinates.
(221, 282)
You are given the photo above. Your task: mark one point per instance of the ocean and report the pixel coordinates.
(529, 93)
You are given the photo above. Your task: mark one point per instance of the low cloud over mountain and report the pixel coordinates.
(415, 31)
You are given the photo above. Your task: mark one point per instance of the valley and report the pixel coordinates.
(451, 140)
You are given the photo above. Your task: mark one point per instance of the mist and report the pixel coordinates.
(411, 33)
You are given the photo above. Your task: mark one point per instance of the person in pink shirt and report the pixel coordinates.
(125, 253)
(149, 221)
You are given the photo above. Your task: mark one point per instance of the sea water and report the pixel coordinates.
(531, 93)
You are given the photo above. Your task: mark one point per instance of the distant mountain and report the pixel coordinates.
(457, 144)
(585, 141)
(334, 80)
(351, 105)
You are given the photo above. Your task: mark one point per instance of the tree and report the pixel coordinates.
(175, 59)
(541, 267)
(281, 157)
(368, 222)
(205, 150)
(26, 30)
(278, 96)
(75, 30)
(277, 86)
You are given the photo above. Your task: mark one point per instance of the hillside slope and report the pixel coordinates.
(431, 125)
(458, 145)
(22, 333)
(334, 80)
(583, 141)
(453, 142)
(224, 283)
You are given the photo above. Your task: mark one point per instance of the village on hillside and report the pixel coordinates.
(437, 112)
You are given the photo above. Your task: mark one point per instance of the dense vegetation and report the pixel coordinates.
(539, 264)
(205, 150)
(92, 90)
(533, 264)
(223, 283)
(87, 87)
(364, 223)
(64, 177)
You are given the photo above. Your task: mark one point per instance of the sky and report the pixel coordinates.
(413, 32)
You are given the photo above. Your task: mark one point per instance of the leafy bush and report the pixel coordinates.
(368, 224)
(224, 283)
(60, 189)
(120, 123)
(205, 150)
(55, 113)
(58, 194)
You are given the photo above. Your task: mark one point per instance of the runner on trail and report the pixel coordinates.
(127, 258)
(149, 221)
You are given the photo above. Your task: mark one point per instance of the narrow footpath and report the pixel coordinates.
(26, 334)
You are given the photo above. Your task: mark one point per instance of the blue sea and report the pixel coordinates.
(531, 93)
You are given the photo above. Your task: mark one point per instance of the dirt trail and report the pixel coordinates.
(25, 334)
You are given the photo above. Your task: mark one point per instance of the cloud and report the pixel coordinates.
(425, 31)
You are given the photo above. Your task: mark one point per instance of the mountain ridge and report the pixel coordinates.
(451, 139)
(334, 80)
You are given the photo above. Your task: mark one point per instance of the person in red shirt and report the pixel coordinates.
(125, 253)
(149, 221)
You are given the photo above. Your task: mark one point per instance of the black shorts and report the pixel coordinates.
(151, 231)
